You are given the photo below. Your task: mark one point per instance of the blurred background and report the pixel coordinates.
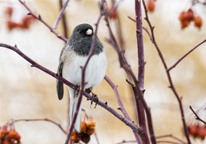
(27, 92)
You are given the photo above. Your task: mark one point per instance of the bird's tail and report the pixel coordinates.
(73, 104)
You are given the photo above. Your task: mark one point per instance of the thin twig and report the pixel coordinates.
(121, 106)
(164, 141)
(146, 30)
(185, 55)
(197, 117)
(64, 21)
(171, 136)
(60, 14)
(29, 120)
(41, 20)
(168, 74)
(96, 137)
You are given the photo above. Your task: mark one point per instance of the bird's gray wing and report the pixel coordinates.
(59, 84)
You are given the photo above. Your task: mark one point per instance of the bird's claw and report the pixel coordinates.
(94, 97)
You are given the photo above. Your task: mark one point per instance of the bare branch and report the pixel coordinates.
(142, 27)
(29, 120)
(141, 71)
(60, 14)
(41, 20)
(168, 74)
(197, 117)
(171, 136)
(185, 55)
(117, 97)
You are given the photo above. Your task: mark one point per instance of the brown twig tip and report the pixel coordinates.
(131, 18)
(130, 83)
(29, 13)
(197, 117)
(119, 108)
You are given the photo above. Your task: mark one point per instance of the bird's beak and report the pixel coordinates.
(89, 32)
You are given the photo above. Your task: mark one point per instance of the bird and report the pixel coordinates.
(72, 58)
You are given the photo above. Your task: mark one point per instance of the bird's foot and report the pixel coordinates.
(76, 92)
(88, 90)
(94, 98)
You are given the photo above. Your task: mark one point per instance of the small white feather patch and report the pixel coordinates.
(89, 32)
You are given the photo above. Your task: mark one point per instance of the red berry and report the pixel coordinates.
(151, 5)
(198, 21)
(113, 14)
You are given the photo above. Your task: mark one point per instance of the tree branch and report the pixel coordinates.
(141, 69)
(60, 14)
(29, 120)
(168, 74)
(185, 55)
(41, 20)
(197, 117)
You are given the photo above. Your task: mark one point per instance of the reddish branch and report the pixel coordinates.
(185, 55)
(47, 120)
(168, 74)
(170, 136)
(121, 106)
(138, 93)
(164, 141)
(64, 20)
(141, 68)
(41, 20)
(60, 14)
(197, 117)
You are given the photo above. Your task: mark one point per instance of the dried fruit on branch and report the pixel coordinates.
(198, 21)
(83, 127)
(9, 11)
(151, 5)
(85, 138)
(190, 15)
(113, 14)
(90, 123)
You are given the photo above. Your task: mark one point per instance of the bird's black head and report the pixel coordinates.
(81, 40)
(83, 30)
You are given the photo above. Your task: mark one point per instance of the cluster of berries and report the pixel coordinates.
(87, 129)
(9, 136)
(197, 131)
(188, 16)
(24, 24)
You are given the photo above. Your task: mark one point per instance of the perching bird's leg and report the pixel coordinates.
(94, 96)
(76, 92)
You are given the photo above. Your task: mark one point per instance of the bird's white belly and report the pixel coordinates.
(95, 70)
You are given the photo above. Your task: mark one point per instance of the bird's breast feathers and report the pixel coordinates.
(95, 70)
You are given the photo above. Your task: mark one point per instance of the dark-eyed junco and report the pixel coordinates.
(73, 56)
